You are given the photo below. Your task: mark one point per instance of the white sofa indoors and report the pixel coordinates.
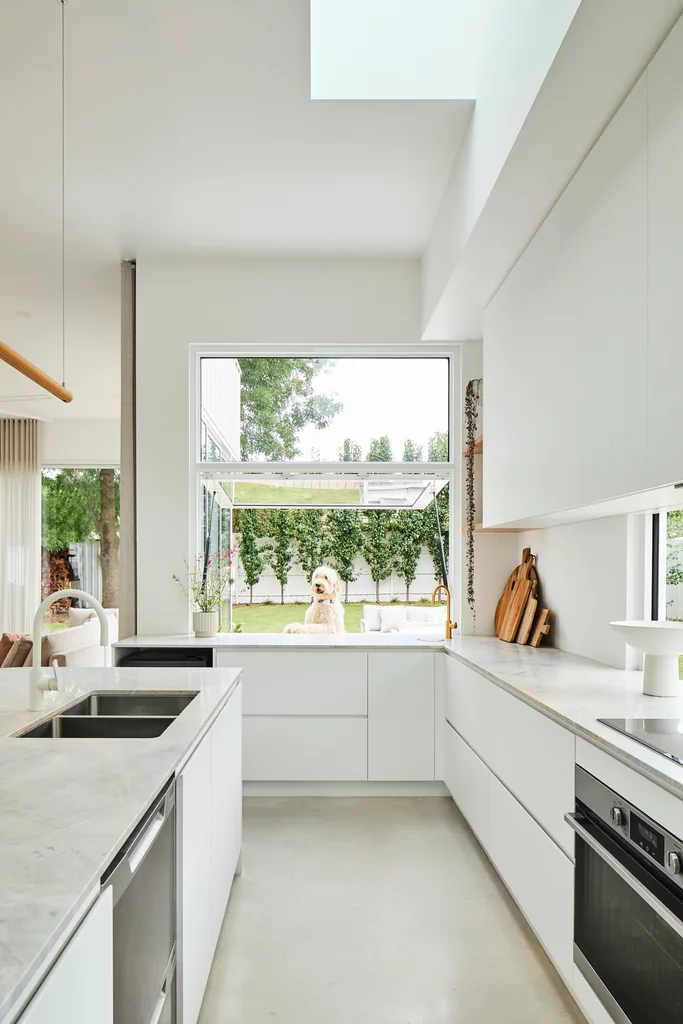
(421, 621)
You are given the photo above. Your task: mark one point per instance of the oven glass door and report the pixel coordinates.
(630, 951)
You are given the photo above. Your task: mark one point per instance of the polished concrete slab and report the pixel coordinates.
(374, 911)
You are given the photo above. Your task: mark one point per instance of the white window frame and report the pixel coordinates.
(449, 471)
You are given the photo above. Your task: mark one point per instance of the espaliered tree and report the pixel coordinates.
(254, 557)
(346, 543)
(431, 535)
(311, 534)
(406, 541)
(380, 450)
(377, 545)
(281, 530)
(350, 451)
(412, 452)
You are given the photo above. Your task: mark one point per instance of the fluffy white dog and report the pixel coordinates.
(326, 613)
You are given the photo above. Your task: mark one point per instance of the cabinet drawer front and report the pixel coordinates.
(537, 873)
(468, 782)
(533, 755)
(401, 717)
(301, 682)
(301, 749)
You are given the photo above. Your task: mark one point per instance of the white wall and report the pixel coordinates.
(72, 443)
(583, 570)
(516, 41)
(247, 302)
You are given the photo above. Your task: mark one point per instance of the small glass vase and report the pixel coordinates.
(205, 624)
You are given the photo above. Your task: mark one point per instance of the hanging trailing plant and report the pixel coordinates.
(472, 400)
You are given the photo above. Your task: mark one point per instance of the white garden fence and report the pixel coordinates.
(363, 589)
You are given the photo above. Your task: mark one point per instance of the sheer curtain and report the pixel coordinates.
(20, 473)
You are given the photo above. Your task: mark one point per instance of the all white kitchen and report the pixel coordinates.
(341, 515)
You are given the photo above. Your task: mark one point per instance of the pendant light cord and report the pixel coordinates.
(63, 4)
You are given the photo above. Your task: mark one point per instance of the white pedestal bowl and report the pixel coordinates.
(661, 643)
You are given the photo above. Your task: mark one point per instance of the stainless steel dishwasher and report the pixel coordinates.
(143, 881)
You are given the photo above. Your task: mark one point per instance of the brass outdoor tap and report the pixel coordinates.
(450, 626)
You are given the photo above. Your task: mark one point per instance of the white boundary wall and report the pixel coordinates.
(297, 589)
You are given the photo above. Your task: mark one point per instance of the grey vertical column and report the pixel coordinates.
(128, 529)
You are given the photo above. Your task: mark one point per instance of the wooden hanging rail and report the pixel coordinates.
(20, 363)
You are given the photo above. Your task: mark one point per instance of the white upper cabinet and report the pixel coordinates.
(665, 223)
(565, 341)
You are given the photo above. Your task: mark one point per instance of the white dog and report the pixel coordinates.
(326, 613)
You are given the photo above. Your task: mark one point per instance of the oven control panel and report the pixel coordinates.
(629, 823)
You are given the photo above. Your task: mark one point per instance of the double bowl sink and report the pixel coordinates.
(114, 716)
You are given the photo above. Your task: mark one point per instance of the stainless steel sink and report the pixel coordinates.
(99, 727)
(164, 705)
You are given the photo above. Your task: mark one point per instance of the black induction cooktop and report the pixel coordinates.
(665, 735)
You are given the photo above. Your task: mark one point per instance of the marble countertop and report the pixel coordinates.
(68, 805)
(577, 692)
(356, 641)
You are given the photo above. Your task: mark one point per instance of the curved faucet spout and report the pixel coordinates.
(450, 626)
(40, 680)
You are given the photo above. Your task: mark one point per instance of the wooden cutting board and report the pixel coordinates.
(528, 617)
(512, 605)
(541, 627)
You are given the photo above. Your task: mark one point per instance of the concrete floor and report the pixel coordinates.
(375, 911)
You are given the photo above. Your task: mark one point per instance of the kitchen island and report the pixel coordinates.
(67, 806)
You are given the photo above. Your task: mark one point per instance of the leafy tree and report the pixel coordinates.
(377, 546)
(380, 450)
(281, 529)
(310, 530)
(431, 535)
(346, 543)
(279, 399)
(412, 452)
(437, 447)
(674, 548)
(253, 556)
(406, 536)
(350, 451)
(83, 505)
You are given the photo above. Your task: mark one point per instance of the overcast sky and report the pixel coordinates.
(404, 398)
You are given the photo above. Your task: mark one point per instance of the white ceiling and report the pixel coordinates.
(189, 127)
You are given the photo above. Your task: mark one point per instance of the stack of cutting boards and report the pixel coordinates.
(518, 617)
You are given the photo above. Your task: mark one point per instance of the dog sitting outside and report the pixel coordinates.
(326, 613)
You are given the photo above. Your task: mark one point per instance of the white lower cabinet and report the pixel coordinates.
(401, 717)
(467, 778)
(537, 873)
(80, 987)
(278, 748)
(209, 808)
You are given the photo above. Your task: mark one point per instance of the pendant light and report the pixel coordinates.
(9, 355)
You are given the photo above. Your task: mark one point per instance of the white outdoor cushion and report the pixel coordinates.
(371, 616)
(422, 630)
(392, 618)
(419, 614)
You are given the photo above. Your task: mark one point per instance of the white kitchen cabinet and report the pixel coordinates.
(209, 799)
(196, 913)
(531, 754)
(80, 987)
(292, 682)
(401, 716)
(665, 260)
(467, 779)
(305, 749)
(226, 803)
(537, 873)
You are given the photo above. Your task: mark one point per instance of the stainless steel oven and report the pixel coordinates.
(143, 881)
(628, 906)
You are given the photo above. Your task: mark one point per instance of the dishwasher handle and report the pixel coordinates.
(123, 870)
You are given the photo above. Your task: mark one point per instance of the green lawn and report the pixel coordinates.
(264, 494)
(272, 618)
